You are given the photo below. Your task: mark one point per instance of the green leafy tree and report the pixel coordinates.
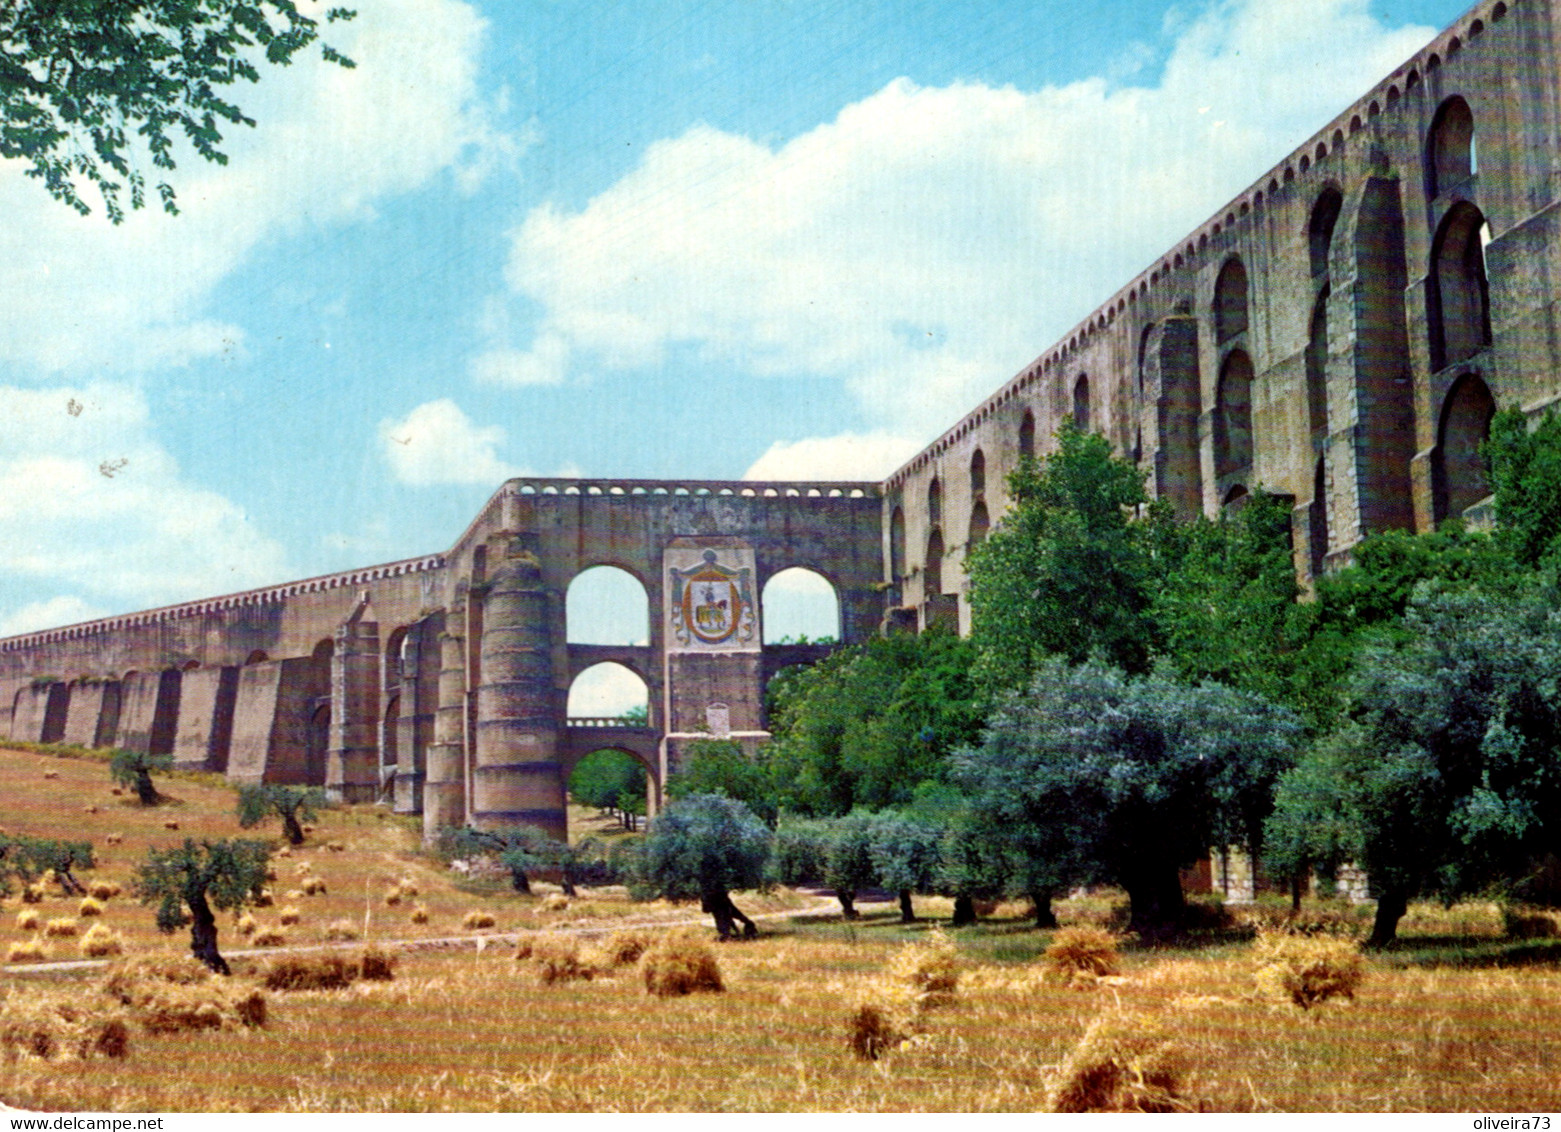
(1444, 780)
(848, 859)
(187, 882)
(720, 766)
(91, 90)
(905, 851)
(611, 781)
(801, 850)
(1106, 778)
(702, 846)
(520, 849)
(31, 857)
(293, 804)
(865, 726)
(1525, 472)
(134, 769)
(1068, 573)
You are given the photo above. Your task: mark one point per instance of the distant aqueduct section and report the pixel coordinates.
(1340, 334)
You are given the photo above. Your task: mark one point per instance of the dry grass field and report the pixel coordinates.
(982, 1021)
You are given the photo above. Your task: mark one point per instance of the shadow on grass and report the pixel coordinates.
(1470, 952)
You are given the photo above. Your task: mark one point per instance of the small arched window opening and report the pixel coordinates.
(799, 605)
(977, 474)
(1317, 365)
(606, 605)
(1461, 478)
(1081, 403)
(1027, 436)
(1143, 360)
(609, 691)
(1319, 232)
(979, 525)
(1233, 415)
(932, 571)
(1452, 159)
(1230, 301)
(1460, 314)
(935, 502)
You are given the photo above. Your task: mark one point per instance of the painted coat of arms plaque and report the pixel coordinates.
(710, 598)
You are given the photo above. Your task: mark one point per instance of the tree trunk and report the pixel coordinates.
(1295, 894)
(294, 831)
(964, 911)
(1044, 916)
(1154, 893)
(720, 907)
(568, 883)
(69, 883)
(203, 935)
(907, 913)
(520, 882)
(847, 903)
(145, 790)
(1391, 906)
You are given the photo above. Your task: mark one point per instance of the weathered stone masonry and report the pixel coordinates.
(1339, 334)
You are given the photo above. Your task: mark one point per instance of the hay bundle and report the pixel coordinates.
(476, 920)
(114, 838)
(556, 959)
(1308, 969)
(341, 931)
(393, 896)
(33, 893)
(269, 937)
(170, 825)
(89, 907)
(247, 925)
(26, 951)
(555, 902)
(419, 915)
(263, 898)
(33, 1026)
(313, 886)
(61, 928)
(327, 971)
(1079, 956)
(680, 964)
(376, 965)
(129, 978)
(408, 887)
(29, 920)
(1125, 1062)
(103, 890)
(881, 1017)
(170, 994)
(288, 915)
(626, 945)
(928, 968)
(101, 941)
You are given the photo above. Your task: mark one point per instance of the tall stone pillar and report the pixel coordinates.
(352, 765)
(408, 777)
(517, 776)
(444, 788)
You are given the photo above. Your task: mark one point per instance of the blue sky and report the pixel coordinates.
(711, 239)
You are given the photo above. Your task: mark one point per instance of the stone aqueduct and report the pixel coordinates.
(1339, 334)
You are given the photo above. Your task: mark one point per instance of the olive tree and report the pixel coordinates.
(701, 847)
(292, 804)
(188, 881)
(1098, 777)
(31, 857)
(520, 849)
(905, 853)
(134, 769)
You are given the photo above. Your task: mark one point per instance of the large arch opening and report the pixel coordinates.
(1317, 366)
(932, 570)
(1319, 230)
(799, 606)
(606, 605)
(1460, 476)
(56, 709)
(980, 523)
(1459, 298)
(935, 502)
(977, 474)
(897, 545)
(1230, 301)
(1451, 158)
(317, 737)
(1027, 436)
(1317, 520)
(1233, 415)
(1081, 403)
(611, 782)
(609, 691)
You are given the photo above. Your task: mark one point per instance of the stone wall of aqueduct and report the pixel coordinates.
(1339, 334)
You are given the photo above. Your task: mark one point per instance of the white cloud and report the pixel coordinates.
(928, 242)
(92, 503)
(69, 610)
(850, 456)
(330, 142)
(438, 443)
